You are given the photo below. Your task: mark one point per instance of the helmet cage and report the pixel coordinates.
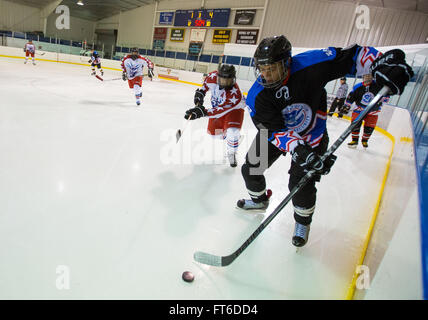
(271, 74)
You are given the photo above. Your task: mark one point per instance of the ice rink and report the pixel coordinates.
(95, 188)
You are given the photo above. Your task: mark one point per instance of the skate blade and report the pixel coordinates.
(352, 147)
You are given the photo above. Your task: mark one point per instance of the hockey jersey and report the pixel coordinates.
(222, 101)
(362, 95)
(134, 68)
(95, 59)
(296, 110)
(30, 47)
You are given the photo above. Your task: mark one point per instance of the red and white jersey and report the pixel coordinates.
(222, 101)
(30, 47)
(134, 68)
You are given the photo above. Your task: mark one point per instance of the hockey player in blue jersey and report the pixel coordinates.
(288, 105)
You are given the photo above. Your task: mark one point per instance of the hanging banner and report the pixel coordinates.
(160, 33)
(158, 44)
(245, 17)
(195, 48)
(197, 35)
(222, 35)
(247, 36)
(177, 35)
(166, 17)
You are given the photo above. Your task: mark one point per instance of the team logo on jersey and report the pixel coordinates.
(328, 52)
(366, 98)
(297, 117)
(218, 98)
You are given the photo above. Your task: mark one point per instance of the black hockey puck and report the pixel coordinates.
(188, 276)
(240, 203)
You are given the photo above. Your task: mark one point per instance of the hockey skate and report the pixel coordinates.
(232, 160)
(138, 102)
(25, 62)
(365, 144)
(249, 204)
(301, 234)
(353, 144)
(93, 73)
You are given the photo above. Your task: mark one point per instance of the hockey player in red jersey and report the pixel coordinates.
(29, 49)
(227, 108)
(361, 95)
(132, 66)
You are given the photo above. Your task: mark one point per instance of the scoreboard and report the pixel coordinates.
(202, 18)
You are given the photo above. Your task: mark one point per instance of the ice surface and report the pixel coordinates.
(94, 185)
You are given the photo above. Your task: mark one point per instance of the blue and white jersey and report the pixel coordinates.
(296, 110)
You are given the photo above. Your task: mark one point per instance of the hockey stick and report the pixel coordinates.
(114, 79)
(222, 261)
(180, 132)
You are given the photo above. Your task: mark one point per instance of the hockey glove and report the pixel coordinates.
(150, 73)
(308, 159)
(391, 69)
(195, 113)
(124, 77)
(199, 97)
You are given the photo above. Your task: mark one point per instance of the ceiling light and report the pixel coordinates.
(80, 3)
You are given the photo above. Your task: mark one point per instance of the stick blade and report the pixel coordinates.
(178, 134)
(208, 259)
(99, 78)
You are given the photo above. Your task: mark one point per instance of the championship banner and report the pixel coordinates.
(247, 36)
(245, 17)
(158, 44)
(197, 35)
(222, 35)
(195, 48)
(160, 33)
(177, 35)
(166, 17)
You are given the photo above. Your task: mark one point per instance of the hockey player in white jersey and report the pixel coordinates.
(30, 50)
(95, 61)
(132, 66)
(227, 107)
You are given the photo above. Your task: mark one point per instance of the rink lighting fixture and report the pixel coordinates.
(80, 3)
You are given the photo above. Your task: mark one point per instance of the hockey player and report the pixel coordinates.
(30, 49)
(361, 95)
(95, 61)
(340, 98)
(227, 108)
(132, 66)
(288, 105)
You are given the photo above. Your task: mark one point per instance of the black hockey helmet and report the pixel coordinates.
(343, 78)
(134, 56)
(226, 76)
(272, 56)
